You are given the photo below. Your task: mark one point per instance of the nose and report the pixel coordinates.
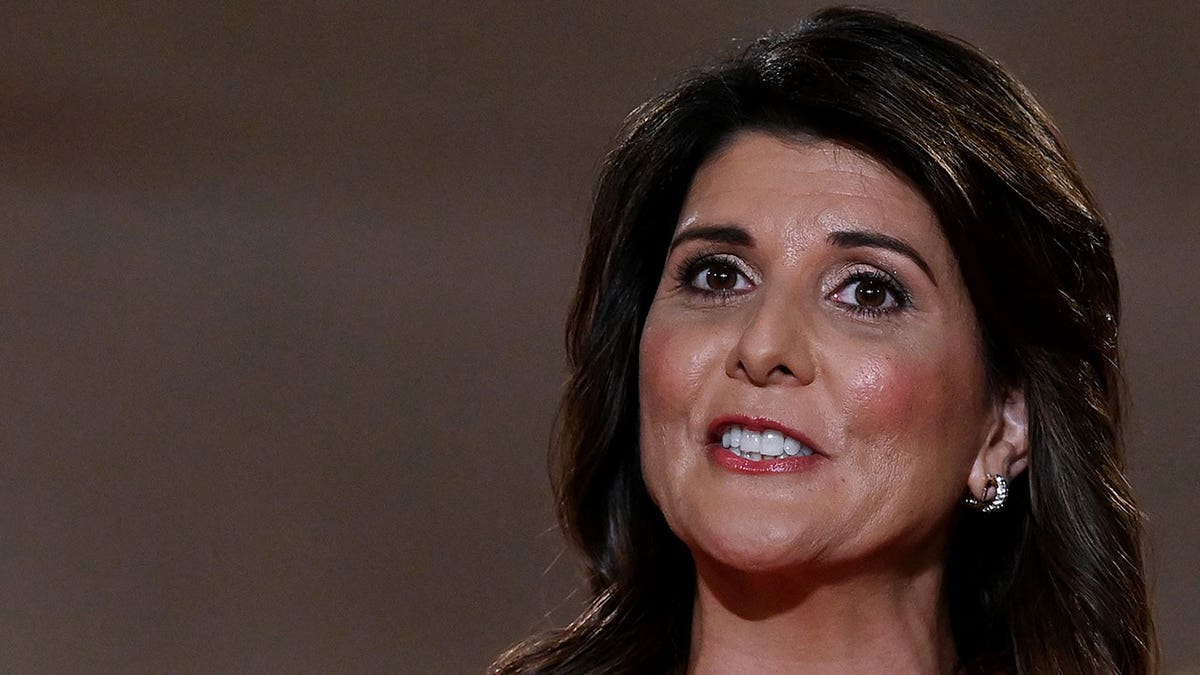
(774, 347)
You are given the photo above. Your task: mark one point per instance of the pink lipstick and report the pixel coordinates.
(757, 445)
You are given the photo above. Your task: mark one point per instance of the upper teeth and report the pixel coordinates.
(758, 444)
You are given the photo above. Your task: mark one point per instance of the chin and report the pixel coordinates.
(756, 547)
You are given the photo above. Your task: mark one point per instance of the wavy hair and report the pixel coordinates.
(1052, 584)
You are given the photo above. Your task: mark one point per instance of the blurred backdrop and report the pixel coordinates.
(283, 284)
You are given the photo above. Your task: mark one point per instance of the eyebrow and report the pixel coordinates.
(721, 234)
(859, 238)
(733, 234)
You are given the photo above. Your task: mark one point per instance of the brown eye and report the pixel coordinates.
(718, 276)
(870, 293)
(721, 278)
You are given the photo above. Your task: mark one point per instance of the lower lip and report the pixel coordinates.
(725, 459)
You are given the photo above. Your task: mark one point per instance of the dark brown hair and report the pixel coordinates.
(1051, 584)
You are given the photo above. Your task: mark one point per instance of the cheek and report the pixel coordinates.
(912, 413)
(879, 394)
(674, 360)
(658, 372)
(890, 394)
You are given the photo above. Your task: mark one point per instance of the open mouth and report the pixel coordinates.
(761, 444)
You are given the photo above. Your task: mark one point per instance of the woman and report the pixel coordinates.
(845, 381)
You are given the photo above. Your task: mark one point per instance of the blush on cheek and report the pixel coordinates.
(887, 396)
(673, 363)
(702, 360)
(655, 367)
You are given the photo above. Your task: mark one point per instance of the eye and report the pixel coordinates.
(871, 293)
(716, 275)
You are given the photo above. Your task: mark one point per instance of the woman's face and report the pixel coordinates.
(809, 303)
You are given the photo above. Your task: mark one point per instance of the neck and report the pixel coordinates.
(851, 622)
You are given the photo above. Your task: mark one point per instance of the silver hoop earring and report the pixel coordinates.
(997, 499)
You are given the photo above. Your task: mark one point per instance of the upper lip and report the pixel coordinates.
(718, 425)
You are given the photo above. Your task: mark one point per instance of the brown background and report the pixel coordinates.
(282, 288)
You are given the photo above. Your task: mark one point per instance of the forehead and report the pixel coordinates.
(805, 189)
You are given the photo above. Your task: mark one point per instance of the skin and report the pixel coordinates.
(837, 567)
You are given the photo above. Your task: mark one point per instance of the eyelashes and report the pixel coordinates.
(861, 289)
(715, 276)
(871, 292)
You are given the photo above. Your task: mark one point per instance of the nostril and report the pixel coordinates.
(777, 372)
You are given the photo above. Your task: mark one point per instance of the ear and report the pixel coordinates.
(1006, 449)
